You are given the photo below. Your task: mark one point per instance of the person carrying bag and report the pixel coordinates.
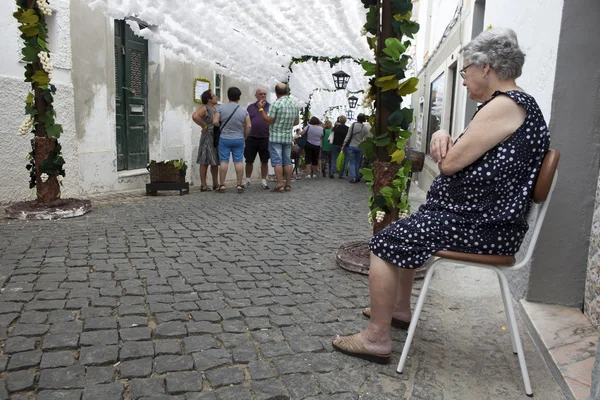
(312, 147)
(217, 130)
(302, 139)
(358, 132)
(338, 133)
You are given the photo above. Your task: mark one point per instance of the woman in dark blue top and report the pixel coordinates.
(480, 201)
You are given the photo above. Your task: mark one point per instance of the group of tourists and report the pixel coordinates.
(325, 142)
(262, 129)
(265, 130)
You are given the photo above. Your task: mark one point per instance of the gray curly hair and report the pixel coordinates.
(499, 48)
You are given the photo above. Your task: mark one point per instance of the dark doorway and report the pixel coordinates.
(131, 77)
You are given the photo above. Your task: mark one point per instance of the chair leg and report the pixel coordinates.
(513, 325)
(415, 316)
(508, 322)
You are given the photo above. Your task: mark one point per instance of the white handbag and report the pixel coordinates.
(330, 138)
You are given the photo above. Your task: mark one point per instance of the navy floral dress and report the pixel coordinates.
(481, 209)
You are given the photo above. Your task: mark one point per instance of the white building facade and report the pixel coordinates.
(102, 71)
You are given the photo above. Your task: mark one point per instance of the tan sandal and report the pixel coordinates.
(396, 323)
(352, 346)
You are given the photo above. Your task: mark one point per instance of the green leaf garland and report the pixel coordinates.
(331, 60)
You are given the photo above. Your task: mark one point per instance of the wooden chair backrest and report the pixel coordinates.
(545, 176)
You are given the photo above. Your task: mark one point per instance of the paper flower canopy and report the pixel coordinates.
(255, 41)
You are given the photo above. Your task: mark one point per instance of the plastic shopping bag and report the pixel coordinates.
(339, 163)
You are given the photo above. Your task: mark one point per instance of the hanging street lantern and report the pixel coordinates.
(350, 115)
(340, 80)
(352, 100)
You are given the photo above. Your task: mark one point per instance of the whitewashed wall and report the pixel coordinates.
(443, 12)
(433, 17)
(85, 104)
(537, 23)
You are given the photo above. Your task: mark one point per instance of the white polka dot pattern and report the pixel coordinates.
(481, 209)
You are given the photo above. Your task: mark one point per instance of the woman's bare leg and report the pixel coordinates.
(239, 172)
(214, 171)
(406, 278)
(385, 282)
(383, 290)
(203, 170)
(223, 172)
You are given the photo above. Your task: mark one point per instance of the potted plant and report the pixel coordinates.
(167, 171)
(167, 175)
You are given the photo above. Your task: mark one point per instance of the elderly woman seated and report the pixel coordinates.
(480, 201)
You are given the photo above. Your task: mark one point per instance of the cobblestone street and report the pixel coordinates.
(229, 296)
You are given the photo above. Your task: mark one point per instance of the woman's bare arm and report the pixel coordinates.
(493, 124)
(198, 116)
(247, 126)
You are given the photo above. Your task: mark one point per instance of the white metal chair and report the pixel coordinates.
(541, 196)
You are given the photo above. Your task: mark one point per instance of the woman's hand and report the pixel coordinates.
(441, 142)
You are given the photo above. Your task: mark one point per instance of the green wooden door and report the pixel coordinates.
(131, 65)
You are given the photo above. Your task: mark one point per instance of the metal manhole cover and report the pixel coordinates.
(355, 257)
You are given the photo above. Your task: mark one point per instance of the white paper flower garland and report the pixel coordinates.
(253, 41)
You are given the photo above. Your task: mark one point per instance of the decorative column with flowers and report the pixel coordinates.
(46, 164)
(390, 176)
(388, 21)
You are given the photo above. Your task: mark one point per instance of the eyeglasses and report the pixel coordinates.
(261, 94)
(463, 72)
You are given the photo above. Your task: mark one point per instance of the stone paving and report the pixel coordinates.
(229, 296)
